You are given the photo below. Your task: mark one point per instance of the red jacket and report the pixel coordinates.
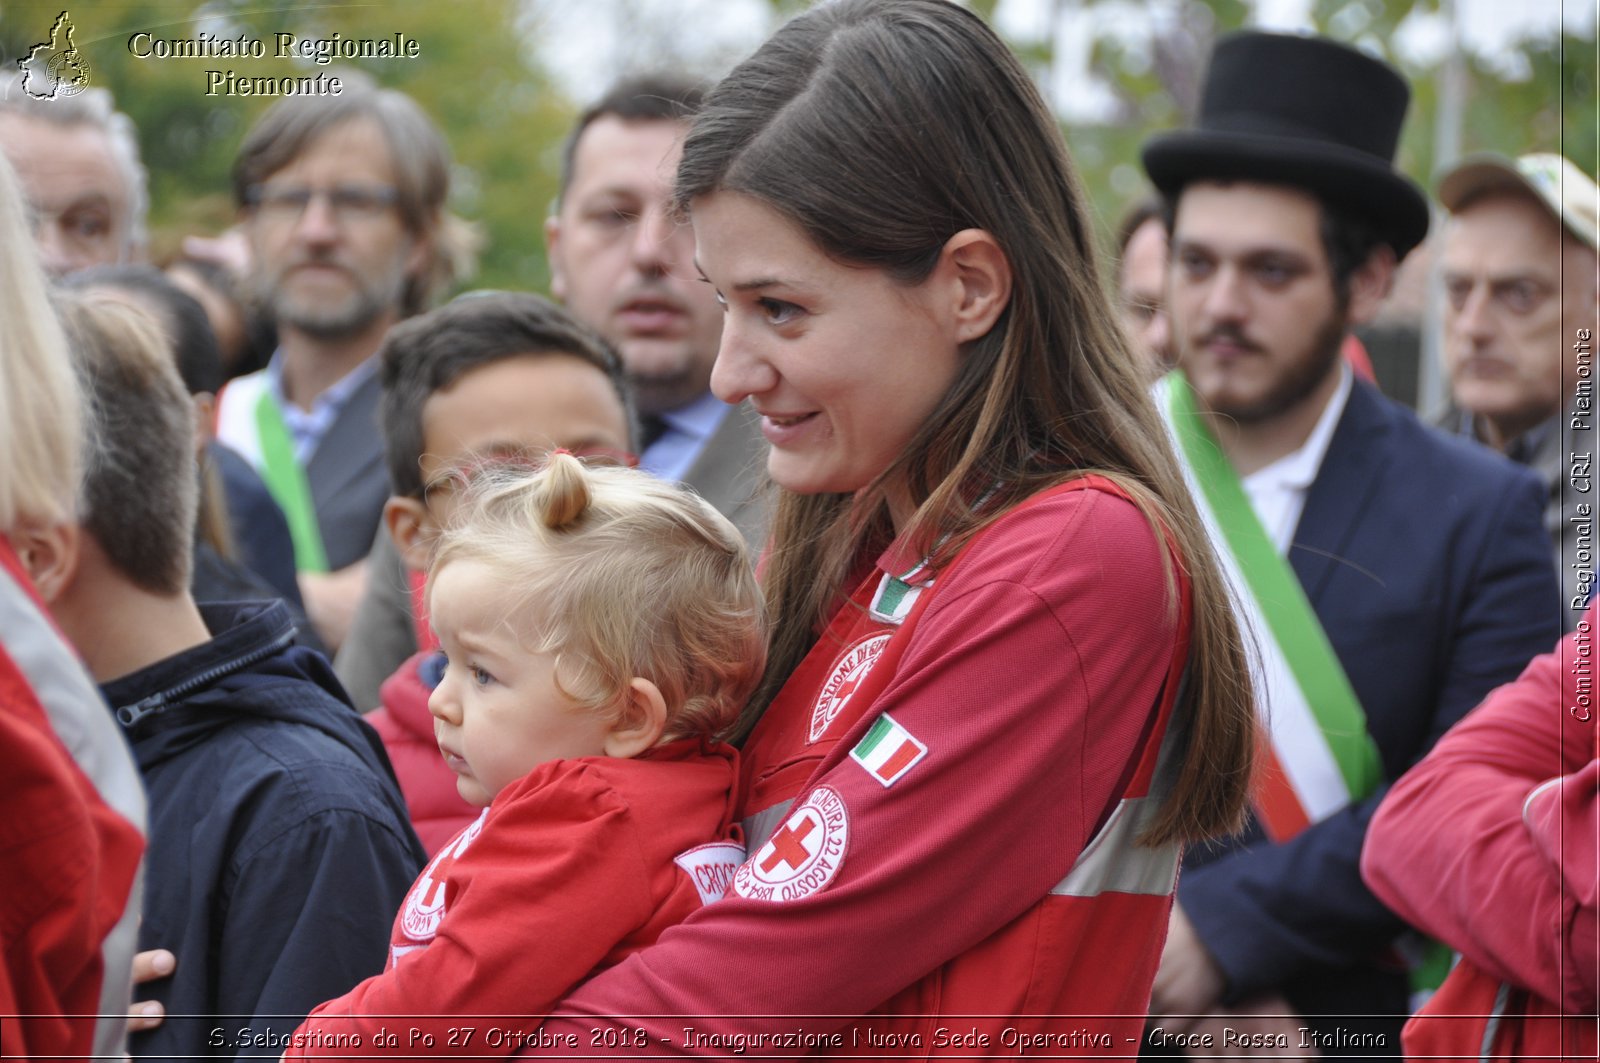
(438, 811)
(67, 859)
(1492, 845)
(569, 870)
(920, 812)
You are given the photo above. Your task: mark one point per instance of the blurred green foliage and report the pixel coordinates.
(475, 75)
(1536, 95)
(480, 76)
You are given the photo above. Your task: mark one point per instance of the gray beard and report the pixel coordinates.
(351, 320)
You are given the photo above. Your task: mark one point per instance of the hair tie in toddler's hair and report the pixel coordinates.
(601, 456)
(566, 491)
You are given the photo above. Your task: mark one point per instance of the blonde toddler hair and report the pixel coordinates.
(618, 574)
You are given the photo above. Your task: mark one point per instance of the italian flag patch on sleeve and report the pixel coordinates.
(888, 751)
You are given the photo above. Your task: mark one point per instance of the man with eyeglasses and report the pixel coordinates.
(1142, 284)
(1520, 284)
(623, 266)
(343, 201)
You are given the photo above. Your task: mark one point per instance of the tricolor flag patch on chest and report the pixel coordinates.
(888, 751)
(892, 601)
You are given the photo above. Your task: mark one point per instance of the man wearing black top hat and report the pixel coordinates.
(1390, 575)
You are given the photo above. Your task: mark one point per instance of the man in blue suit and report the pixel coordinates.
(1392, 576)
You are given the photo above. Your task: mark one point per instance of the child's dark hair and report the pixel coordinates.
(430, 352)
(189, 334)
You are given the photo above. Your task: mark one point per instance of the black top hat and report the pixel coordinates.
(1301, 111)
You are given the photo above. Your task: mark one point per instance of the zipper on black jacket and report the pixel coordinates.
(130, 715)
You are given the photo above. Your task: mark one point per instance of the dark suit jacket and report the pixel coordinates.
(1425, 558)
(730, 472)
(1568, 487)
(260, 532)
(349, 482)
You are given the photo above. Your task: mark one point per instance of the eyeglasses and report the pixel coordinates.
(349, 203)
(458, 476)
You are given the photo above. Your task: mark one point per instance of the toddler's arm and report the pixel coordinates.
(532, 905)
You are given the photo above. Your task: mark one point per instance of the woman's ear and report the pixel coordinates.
(982, 274)
(644, 718)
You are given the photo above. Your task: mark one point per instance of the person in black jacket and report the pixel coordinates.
(279, 844)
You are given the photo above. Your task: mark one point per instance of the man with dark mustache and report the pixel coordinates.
(1390, 576)
(1519, 322)
(343, 200)
(625, 266)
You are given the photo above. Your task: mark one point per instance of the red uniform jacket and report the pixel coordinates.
(67, 859)
(940, 825)
(1492, 845)
(569, 870)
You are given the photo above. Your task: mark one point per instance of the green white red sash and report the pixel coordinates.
(1319, 756)
(248, 419)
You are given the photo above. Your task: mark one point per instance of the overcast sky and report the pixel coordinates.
(585, 42)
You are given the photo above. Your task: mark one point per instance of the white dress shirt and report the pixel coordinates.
(1277, 492)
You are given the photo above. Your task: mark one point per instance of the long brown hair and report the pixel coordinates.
(882, 128)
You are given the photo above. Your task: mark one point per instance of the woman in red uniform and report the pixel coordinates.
(972, 763)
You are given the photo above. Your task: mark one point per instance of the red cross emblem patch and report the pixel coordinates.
(803, 854)
(849, 670)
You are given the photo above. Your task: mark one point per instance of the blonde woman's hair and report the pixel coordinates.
(41, 414)
(619, 575)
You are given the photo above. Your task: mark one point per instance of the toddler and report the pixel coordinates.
(600, 626)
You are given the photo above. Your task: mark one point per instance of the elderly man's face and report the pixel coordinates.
(1517, 292)
(78, 195)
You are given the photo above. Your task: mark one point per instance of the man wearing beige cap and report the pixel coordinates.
(1520, 279)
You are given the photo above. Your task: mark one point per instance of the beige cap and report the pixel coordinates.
(1553, 180)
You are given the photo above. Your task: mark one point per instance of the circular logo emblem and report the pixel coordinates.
(848, 672)
(425, 903)
(69, 72)
(802, 856)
